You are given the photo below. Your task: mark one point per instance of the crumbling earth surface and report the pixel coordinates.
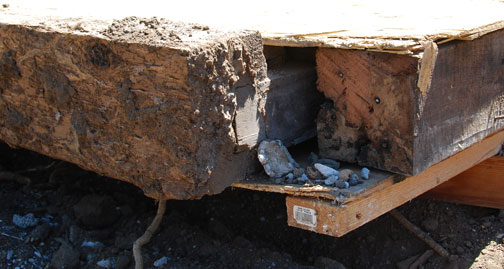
(83, 220)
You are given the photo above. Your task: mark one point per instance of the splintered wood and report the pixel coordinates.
(331, 218)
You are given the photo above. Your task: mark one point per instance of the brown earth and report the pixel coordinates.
(237, 228)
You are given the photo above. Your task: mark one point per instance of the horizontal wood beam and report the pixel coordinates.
(327, 217)
(481, 185)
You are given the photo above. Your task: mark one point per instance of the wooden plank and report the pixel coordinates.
(403, 113)
(337, 220)
(390, 25)
(482, 185)
(378, 180)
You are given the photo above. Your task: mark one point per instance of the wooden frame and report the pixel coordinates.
(331, 218)
(482, 185)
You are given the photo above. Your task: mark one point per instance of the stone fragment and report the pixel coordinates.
(161, 261)
(331, 163)
(302, 179)
(275, 158)
(345, 174)
(354, 180)
(28, 220)
(313, 173)
(104, 263)
(325, 170)
(298, 172)
(364, 173)
(331, 180)
(342, 184)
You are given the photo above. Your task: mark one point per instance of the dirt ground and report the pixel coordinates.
(83, 220)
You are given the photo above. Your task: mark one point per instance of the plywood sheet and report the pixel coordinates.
(388, 25)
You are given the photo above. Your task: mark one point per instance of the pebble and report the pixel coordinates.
(345, 174)
(92, 245)
(302, 179)
(25, 221)
(160, 262)
(325, 170)
(275, 158)
(364, 173)
(298, 172)
(331, 180)
(278, 180)
(342, 184)
(10, 252)
(460, 250)
(354, 180)
(331, 163)
(290, 176)
(313, 173)
(105, 263)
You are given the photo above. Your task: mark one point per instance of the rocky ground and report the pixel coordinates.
(68, 217)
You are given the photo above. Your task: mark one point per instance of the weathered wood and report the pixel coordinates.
(142, 100)
(173, 108)
(337, 220)
(482, 185)
(289, 107)
(403, 113)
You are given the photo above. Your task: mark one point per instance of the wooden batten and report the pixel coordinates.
(404, 113)
(335, 219)
(481, 185)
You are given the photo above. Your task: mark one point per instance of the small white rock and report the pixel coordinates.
(325, 170)
(342, 184)
(331, 180)
(105, 263)
(160, 262)
(302, 178)
(10, 252)
(28, 220)
(364, 173)
(91, 244)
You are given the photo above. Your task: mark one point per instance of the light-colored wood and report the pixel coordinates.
(482, 185)
(390, 25)
(338, 220)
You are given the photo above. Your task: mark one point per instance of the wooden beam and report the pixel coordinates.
(481, 185)
(328, 217)
(403, 113)
(176, 109)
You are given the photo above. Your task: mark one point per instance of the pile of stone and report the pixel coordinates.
(282, 168)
